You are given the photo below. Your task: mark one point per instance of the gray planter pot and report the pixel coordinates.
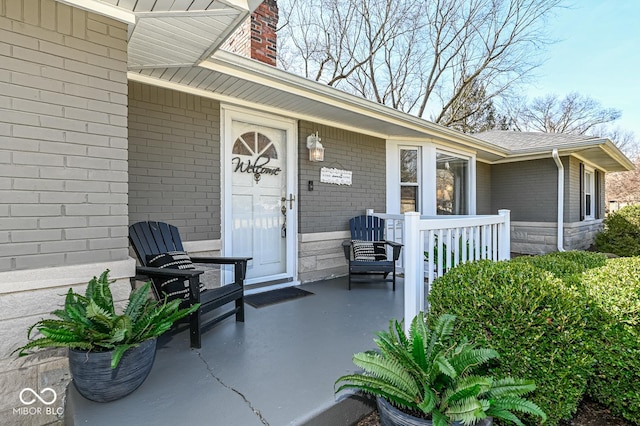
(94, 378)
(391, 416)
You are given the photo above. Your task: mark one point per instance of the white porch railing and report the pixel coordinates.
(436, 244)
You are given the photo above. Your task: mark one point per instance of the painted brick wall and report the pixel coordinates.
(572, 189)
(601, 192)
(174, 160)
(239, 41)
(63, 136)
(329, 207)
(527, 188)
(483, 189)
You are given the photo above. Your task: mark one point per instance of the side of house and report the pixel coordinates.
(527, 184)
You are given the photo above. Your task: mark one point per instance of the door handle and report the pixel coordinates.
(291, 199)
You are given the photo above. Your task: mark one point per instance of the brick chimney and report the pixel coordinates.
(256, 37)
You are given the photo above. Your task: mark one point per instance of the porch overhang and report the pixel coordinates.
(600, 152)
(172, 33)
(233, 79)
(230, 78)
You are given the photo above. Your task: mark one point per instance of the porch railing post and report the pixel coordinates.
(504, 244)
(413, 275)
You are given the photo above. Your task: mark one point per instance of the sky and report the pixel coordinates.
(597, 55)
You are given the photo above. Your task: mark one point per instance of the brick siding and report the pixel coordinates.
(527, 188)
(256, 38)
(239, 41)
(63, 136)
(329, 207)
(174, 160)
(483, 189)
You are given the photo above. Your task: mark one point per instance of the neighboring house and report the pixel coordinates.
(113, 112)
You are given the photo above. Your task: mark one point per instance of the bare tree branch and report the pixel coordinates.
(419, 57)
(574, 113)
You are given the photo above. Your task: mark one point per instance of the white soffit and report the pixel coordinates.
(168, 33)
(168, 39)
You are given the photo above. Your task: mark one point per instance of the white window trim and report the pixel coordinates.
(419, 182)
(591, 191)
(427, 192)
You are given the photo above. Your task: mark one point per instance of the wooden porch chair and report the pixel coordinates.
(158, 243)
(368, 253)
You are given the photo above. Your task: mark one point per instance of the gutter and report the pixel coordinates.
(556, 158)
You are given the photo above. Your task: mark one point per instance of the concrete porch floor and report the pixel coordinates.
(276, 368)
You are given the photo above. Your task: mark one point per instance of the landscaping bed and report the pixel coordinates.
(589, 414)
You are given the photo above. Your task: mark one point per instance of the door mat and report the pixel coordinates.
(272, 297)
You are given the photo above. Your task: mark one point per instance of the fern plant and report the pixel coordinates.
(90, 322)
(427, 372)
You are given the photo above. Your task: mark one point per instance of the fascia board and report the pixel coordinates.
(104, 9)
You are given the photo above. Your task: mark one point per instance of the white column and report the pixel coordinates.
(504, 245)
(414, 269)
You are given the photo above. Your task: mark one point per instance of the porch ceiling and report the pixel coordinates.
(176, 39)
(603, 156)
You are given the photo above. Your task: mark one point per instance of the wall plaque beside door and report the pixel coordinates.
(335, 176)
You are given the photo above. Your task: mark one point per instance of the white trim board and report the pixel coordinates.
(104, 9)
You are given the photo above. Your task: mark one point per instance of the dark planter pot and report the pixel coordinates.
(94, 378)
(391, 416)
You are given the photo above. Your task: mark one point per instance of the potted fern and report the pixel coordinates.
(427, 378)
(110, 354)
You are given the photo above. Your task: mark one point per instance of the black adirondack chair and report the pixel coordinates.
(368, 253)
(155, 238)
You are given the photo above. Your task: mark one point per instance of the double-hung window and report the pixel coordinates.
(589, 194)
(409, 179)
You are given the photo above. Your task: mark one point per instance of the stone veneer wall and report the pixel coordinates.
(541, 237)
(63, 180)
(321, 256)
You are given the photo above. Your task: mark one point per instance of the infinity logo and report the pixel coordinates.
(37, 397)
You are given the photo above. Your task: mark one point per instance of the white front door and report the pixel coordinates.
(260, 202)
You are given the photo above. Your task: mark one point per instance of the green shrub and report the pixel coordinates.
(531, 318)
(565, 264)
(614, 292)
(621, 233)
(568, 266)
